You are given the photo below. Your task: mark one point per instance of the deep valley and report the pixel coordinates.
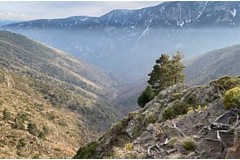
(155, 82)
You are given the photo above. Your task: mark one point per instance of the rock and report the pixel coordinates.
(150, 128)
(130, 127)
(144, 136)
(169, 151)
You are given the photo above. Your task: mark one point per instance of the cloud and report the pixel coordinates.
(27, 10)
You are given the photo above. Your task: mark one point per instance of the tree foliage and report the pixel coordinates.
(166, 72)
(146, 96)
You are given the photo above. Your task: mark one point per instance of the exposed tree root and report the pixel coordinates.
(178, 129)
(221, 127)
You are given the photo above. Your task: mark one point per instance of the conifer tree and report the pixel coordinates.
(146, 96)
(176, 67)
(158, 79)
(166, 72)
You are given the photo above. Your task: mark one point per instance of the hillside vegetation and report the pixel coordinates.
(45, 94)
(30, 123)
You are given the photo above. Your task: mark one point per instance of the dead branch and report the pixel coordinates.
(175, 126)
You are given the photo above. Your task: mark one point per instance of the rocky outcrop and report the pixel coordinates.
(165, 129)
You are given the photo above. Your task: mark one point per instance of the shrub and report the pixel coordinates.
(232, 98)
(42, 135)
(189, 144)
(32, 129)
(21, 143)
(46, 130)
(137, 130)
(172, 142)
(128, 146)
(87, 152)
(169, 113)
(151, 119)
(19, 120)
(6, 115)
(178, 108)
(146, 96)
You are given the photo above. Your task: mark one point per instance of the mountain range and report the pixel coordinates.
(64, 82)
(135, 38)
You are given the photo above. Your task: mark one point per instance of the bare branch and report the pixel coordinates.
(175, 126)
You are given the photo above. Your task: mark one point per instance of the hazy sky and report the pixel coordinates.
(17, 10)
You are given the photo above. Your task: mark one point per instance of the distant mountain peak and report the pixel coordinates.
(121, 35)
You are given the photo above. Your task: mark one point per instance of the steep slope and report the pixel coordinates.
(49, 88)
(213, 65)
(56, 133)
(124, 35)
(159, 131)
(53, 63)
(128, 95)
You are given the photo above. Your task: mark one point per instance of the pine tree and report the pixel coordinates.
(158, 79)
(176, 68)
(166, 72)
(146, 96)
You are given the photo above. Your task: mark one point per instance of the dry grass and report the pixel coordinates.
(65, 134)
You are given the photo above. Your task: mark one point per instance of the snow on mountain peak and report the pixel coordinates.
(234, 12)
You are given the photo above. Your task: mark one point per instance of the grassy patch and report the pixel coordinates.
(189, 144)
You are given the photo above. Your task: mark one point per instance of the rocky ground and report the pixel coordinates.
(206, 130)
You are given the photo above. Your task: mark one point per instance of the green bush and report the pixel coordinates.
(87, 152)
(128, 146)
(6, 115)
(42, 135)
(32, 129)
(146, 96)
(189, 144)
(178, 108)
(232, 98)
(21, 143)
(19, 120)
(137, 130)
